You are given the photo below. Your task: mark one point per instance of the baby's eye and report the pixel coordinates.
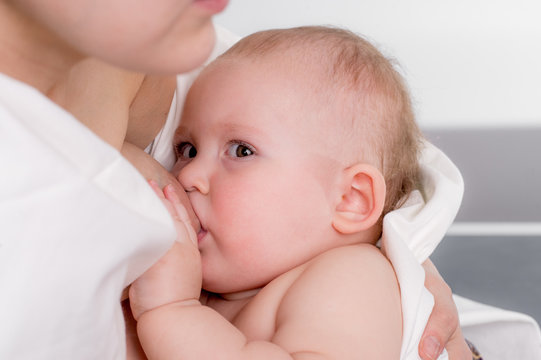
(240, 149)
(185, 150)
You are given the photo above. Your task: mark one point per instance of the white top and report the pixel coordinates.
(77, 224)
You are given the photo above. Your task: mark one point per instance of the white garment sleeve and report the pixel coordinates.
(77, 225)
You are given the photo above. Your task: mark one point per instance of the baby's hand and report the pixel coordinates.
(176, 277)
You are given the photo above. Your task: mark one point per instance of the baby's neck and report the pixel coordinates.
(240, 295)
(229, 305)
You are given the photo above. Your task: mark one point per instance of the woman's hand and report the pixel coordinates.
(443, 329)
(176, 277)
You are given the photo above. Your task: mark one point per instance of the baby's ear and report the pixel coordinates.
(363, 197)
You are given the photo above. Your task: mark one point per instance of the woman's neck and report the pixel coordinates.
(31, 53)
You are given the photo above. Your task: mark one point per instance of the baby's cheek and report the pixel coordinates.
(238, 199)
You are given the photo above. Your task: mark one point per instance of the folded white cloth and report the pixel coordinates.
(411, 233)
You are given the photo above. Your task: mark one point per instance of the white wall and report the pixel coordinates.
(469, 63)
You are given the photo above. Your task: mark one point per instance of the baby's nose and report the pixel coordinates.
(193, 177)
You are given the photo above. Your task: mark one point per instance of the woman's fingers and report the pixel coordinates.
(443, 328)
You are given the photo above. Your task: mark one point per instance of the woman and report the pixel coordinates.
(72, 233)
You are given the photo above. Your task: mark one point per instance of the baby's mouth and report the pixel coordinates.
(201, 234)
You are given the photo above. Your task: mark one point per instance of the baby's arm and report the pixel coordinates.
(359, 316)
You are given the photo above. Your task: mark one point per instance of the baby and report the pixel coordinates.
(292, 147)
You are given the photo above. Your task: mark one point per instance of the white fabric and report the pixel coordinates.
(411, 233)
(499, 334)
(77, 224)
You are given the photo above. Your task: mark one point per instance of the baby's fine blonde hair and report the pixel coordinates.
(380, 124)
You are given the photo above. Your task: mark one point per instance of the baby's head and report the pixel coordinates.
(347, 77)
(291, 143)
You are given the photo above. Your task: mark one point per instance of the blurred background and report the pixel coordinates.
(474, 71)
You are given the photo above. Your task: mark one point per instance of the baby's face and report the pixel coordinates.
(257, 173)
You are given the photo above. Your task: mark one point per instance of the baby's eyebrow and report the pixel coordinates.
(226, 128)
(242, 129)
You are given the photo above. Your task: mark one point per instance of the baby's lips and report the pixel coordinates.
(201, 234)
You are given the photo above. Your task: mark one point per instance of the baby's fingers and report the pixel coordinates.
(167, 201)
(181, 214)
(176, 209)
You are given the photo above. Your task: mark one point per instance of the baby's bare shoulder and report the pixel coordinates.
(347, 290)
(339, 267)
(353, 258)
(354, 271)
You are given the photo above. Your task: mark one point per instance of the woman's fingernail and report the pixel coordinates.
(432, 347)
(172, 194)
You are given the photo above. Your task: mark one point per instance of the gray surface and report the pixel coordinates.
(500, 271)
(501, 170)
(502, 177)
